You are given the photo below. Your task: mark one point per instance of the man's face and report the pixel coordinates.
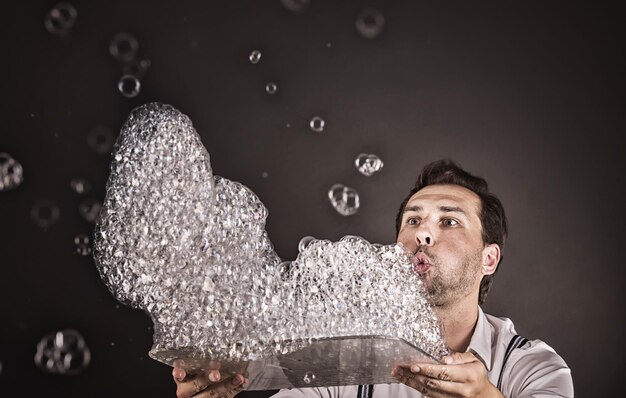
(442, 228)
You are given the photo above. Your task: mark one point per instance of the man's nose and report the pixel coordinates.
(424, 237)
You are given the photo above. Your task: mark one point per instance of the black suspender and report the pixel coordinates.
(516, 342)
(365, 391)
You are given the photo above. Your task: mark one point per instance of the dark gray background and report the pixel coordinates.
(529, 95)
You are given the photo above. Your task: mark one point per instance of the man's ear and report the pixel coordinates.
(490, 258)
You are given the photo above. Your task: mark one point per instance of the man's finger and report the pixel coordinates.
(227, 388)
(459, 358)
(179, 374)
(192, 383)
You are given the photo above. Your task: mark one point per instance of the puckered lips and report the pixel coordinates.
(421, 262)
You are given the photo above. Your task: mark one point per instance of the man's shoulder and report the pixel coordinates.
(504, 330)
(532, 365)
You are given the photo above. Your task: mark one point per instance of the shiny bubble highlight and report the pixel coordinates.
(309, 377)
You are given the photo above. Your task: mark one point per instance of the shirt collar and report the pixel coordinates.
(480, 344)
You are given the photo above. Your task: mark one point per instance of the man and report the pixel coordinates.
(456, 229)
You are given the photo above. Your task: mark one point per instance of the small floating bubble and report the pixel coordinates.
(45, 213)
(60, 19)
(62, 352)
(101, 140)
(137, 67)
(369, 23)
(89, 209)
(304, 242)
(255, 56)
(345, 200)
(317, 124)
(129, 86)
(11, 173)
(123, 47)
(368, 164)
(80, 185)
(271, 88)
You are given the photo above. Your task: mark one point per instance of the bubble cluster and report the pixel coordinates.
(344, 199)
(60, 19)
(11, 172)
(370, 22)
(62, 352)
(191, 249)
(368, 164)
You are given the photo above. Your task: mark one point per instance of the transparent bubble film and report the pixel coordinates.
(191, 250)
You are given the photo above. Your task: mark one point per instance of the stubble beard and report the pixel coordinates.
(444, 288)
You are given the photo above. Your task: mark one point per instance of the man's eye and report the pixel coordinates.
(449, 222)
(412, 221)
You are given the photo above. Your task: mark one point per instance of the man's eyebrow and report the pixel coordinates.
(452, 209)
(445, 209)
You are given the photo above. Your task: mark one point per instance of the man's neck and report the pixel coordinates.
(458, 323)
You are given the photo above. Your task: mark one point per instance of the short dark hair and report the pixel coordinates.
(492, 216)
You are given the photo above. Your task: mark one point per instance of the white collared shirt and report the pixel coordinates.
(533, 370)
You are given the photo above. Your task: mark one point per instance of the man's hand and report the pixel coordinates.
(463, 375)
(207, 384)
